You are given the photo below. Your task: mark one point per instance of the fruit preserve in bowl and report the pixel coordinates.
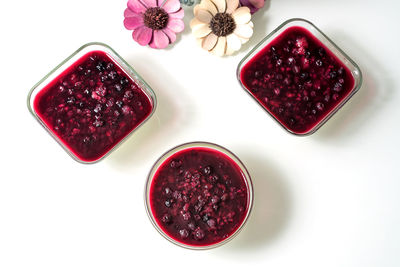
(299, 76)
(91, 102)
(198, 195)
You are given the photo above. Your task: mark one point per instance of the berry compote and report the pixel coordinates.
(199, 196)
(297, 79)
(92, 106)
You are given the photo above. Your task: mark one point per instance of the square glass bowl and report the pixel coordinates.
(91, 102)
(299, 76)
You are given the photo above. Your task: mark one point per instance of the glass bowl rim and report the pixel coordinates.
(123, 64)
(194, 144)
(358, 77)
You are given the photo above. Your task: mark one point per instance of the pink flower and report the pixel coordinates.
(254, 5)
(154, 22)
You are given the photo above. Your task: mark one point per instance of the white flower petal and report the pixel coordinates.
(244, 31)
(203, 15)
(199, 41)
(201, 31)
(209, 6)
(220, 4)
(220, 47)
(231, 5)
(209, 42)
(233, 42)
(195, 23)
(241, 15)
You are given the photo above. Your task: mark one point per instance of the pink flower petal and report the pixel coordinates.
(136, 6)
(160, 39)
(132, 23)
(152, 45)
(171, 35)
(144, 37)
(175, 25)
(178, 14)
(129, 13)
(171, 6)
(149, 3)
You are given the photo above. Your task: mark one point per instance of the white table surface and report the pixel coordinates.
(331, 199)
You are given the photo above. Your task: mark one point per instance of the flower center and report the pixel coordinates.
(155, 18)
(222, 24)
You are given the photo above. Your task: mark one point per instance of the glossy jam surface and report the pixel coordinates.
(92, 106)
(198, 196)
(297, 79)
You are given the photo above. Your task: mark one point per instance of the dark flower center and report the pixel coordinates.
(155, 18)
(222, 24)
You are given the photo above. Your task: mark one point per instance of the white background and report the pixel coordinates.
(331, 199)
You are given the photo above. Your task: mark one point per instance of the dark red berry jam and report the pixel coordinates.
(297, 79)
(92, 106)
(199, 197)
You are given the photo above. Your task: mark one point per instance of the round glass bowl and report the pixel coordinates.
(198, 195)
(299, 76)
(92, 102)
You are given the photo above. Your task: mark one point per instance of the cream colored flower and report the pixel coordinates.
(221, 26)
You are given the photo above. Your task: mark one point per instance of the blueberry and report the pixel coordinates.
(97, 109)
(304, 75)
(186, 216)
(124, 81)
(332, 74)
(119, 103)
(337, 87)
(167, 191)
(191, 226)
(320, 106)
(168, 203)
(215, 199)
(183, 233)
(87, 72)
(211, 223)
(335, 97)
(100, 66)
(199, 234)
(126, 110)
(118, 87)
(258, 74)
(175, 163)
(112, 75)
(166, 218)
(213, 178)
(109, 66)
(207, 170)
(98, 123)
(71, 100)
(290, 61)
